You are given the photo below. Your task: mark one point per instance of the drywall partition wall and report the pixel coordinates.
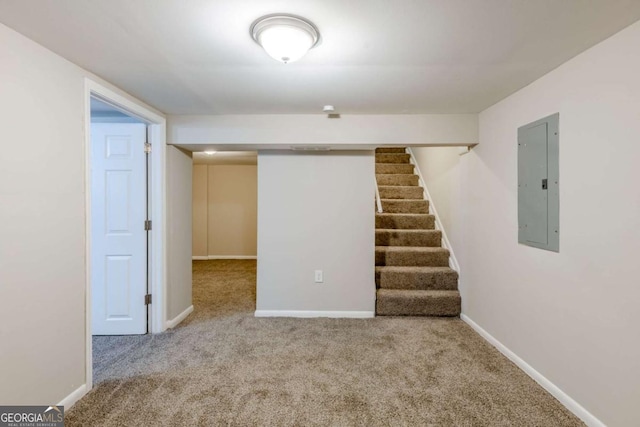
(348, 132)
(232, 210)
(48, 183)
(316, 212)
(200, 220)
(42, 223)
(440, 168)
(225, 204)
(572, 315)
(179, 217)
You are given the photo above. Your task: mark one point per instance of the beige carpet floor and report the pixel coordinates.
(223, 367)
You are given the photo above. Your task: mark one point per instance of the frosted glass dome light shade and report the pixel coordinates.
(285, 44)
(286, 38)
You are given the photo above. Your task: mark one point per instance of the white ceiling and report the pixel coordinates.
(376, 56)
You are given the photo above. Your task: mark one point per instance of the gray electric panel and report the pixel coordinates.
(538, 179)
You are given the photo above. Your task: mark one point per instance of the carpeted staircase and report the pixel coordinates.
(412, 268)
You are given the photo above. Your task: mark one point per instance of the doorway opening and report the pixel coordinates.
(125, 293)
(224, 222)
(225, 203)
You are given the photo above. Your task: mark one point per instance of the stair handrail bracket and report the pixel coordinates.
(453, 262)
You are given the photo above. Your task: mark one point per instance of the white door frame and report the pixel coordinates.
(157, 209)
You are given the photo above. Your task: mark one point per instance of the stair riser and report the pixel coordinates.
(432, 306)
(418, 222)
(426, 238)
(417, 281)
(405, 206)
(397, 179)
(427, 259)
(397, 168)
(392, 158)
(400, 192)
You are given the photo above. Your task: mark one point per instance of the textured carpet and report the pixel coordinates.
(222, 366)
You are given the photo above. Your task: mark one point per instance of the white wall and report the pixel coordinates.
(179, 217)
(573, 315)
(232, 210)
(316, 212)
(440, 168)
(225, 206)
(200, 217)
(349, 132)
(42, 223)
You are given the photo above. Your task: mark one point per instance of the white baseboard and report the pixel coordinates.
(587, 417)
(309, 313)
(179, 318)
(72, 398)
(200, 258)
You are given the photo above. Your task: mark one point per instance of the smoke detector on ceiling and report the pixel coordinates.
(331, 112)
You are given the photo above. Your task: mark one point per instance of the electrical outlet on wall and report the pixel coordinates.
(318, 276)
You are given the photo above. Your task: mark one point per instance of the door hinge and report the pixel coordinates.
(147, 224)
(147, 147)
(147, 299)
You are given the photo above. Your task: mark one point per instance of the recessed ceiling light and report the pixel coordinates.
(286, 38)
(210, 152)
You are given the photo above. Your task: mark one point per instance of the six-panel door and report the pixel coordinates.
(118, 236)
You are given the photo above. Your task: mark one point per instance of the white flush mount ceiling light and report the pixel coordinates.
(286, 38)
(210, 152)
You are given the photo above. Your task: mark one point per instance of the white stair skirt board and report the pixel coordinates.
(310, 313)
(72, 398)
(578, 410)
(207, 257)
(179, 318)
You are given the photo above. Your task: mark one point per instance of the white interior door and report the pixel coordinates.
(118, 236)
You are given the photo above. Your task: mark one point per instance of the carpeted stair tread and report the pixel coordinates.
(391, 150)
(400, 302)
(400, 192)
(411, 255)
(405, 221)
(392, 158)
(416, 278)
(394, 168)
(405, 206)
(396, 237)
(397, 179)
